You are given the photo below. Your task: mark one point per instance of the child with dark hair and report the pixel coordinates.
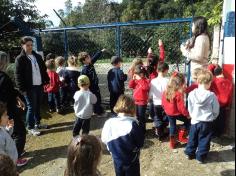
(71, 75)
(7, 166)
(52, 88)
(124, 138)
(116, 79)
(203, 108)
(213, 65)
(174, 107)
(83, 156)
(140, 86)
(157, 87)
(50, 56)
(88, 69)
(223, 89)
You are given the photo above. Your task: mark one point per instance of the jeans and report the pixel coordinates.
(160, 119)
(132, 169)
(81, 123)
(33, 102)
(172, 120)
(54, 100)
(141, 116)
(219, 123)
(63, 95)
(199, 140)
(97, 108)
(151, 110)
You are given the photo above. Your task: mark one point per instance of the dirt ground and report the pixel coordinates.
(47, 153)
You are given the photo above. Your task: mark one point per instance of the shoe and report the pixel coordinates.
(51, 110)
(23, 153)
(182, 136)
(59, 110)
(190, 157)
(41, 126)
(21, 162)
(34, 132)
(173, 142)
(200, 162)
(159, 133)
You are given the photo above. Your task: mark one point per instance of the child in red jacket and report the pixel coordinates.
(174, 107)
(141, 86)
(213, 65)
(223, 89)
(52, 88)
(194, 84)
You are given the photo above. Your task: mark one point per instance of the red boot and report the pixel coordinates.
(182, 136)
(172, 142)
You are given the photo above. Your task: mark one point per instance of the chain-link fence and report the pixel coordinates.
(129, 40)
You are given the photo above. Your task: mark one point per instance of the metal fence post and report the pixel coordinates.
(66, 48)
(189, 66)
(118, 41)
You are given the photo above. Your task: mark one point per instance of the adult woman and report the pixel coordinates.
(10, 96)
(30, 76)
(197, 49)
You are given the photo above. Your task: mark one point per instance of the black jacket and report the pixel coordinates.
(23, 72)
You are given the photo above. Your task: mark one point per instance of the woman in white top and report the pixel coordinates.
(197, 49)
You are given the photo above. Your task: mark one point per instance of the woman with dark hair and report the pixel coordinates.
(197, 49)
(30, 76)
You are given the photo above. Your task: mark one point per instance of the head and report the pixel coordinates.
(195, 73)
(205, 78)
(3, 61)
(83, 81)
(199, 26)
(125, 105)
(176, 83)
(152, 61)
(140, 70)
(116, 61)
(3, 114)
(60, 61)
(27, 44)
(72, 61)
(136, 61)
(163, 68)
(50, 56)
(84, 58)
(50, 64)
(83, 156)
(218, 71)
(7, 166)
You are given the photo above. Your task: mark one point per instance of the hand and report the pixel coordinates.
(149, 50)
(20, 103)
(103, 50)
(182, 48)
(134, 77)
(160, 42)
(10, 123)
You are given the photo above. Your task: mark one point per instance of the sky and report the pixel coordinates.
(47, 6)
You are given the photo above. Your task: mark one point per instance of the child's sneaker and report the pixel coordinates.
(190, 157)
(21, 162)
(41, 126)
(200, 162)
(34, 132)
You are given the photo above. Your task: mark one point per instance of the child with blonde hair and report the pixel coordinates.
(135, 62)
(203, 107)
(174, 106)
(83, 156)
(124, 137)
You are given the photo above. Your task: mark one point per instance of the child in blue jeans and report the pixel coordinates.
(203, 107)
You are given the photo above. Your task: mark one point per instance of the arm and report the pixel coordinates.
(93, 98)
(181, 105)
(145, 85)
(96, 57)
(132, 84)
(137, 134)
(108, 80)
(122, 76)
(190, 105)
(161, 53)
(215, 106)
(19, 75)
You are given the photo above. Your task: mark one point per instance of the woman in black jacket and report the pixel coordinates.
(30, 76)
(10, 96)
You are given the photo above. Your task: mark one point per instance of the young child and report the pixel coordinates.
(157, 87)
(71, 77)
(213, 65)
(174, 107)
(223, 89)
(61, 69)
(83, 156)
(7, 166)
(50, 56)
(124, 137)
(140, 86)
(203, 107)
(88, 69)
(83, 107)
(52, 88)
(136, 61)
(194, 84)
(7, 145)
(116, 79)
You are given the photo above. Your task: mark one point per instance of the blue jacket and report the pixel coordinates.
(90, 71)
(124, 138)
(116, 79)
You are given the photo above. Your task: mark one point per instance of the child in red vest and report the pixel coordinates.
(141, 86)
(223, 89)
(53, 87)
(174, 107)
